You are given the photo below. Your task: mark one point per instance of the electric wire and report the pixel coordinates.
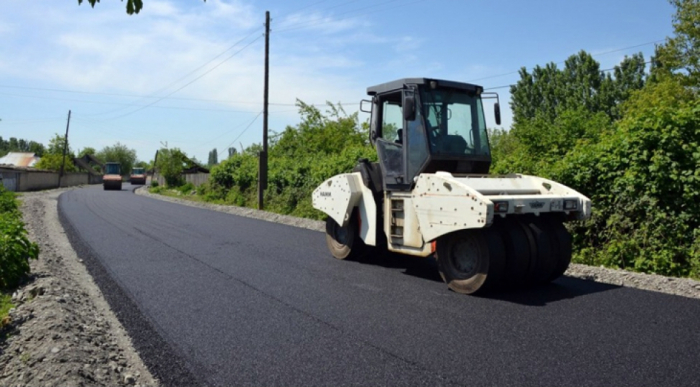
(188, 83)
(244, 130)
(564, 61)
(154, 94)
(513, 84)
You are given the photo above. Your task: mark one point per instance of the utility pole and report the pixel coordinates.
(262, 164)
(155, 163)
(65, 149)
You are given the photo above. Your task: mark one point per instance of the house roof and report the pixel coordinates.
(20, 159)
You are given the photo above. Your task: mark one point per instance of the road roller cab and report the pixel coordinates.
(137, 176)
(430, 194)
(112, 178)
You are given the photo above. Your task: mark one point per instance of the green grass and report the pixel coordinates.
(176, 194)
(5, 304)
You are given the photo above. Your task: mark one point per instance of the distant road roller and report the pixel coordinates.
(431, 193)
(112, 178)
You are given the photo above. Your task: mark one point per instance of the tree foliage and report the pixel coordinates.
(53, 162)
(679, 56)
(170, 165)
(300, 158)
(548, 91)
(15, 247)
(53, 156)
(644, 181)
(132, 6)
(119, 153)
(57, 144)
(20, 145)
(213, 157)
(87, 151)
(630, 143)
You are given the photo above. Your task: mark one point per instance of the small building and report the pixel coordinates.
(20, 159)
(88, 163)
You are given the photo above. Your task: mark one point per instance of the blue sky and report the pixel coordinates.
(190, 73)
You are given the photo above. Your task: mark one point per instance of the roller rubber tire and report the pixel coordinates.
(497, 259)
(561, 247)
(343, 242)
(545, 261)
(463, 260)
(518, 254)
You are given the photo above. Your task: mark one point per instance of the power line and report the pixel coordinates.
(305, 7)
(117, 103)
(139, 96)
(244, 130)
(190, 82)
(564, 61)
(602, 71)
(153, 95)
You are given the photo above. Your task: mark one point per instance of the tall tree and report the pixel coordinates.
(119, 153)
(87, 151)
(56, 145)
(680, 54)
(549, 91)
(170, 165)
(213, 157)
(21, 145)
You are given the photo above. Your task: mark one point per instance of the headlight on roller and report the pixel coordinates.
(500, 206)
(570, 204)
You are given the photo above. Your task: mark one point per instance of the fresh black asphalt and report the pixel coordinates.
(216, 299)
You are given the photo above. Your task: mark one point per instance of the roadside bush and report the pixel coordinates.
(186, 188)
(15, 247)
(644, 181)
(8, 202)
(154, 184)
(300, 158)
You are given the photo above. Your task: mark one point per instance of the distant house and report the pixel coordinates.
(20, 159)
(88, 163)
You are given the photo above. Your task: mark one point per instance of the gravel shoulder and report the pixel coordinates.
(677, 286)
(62, 331)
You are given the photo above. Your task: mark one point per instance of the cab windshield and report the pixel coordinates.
(454, 122)
(137, 171)
(112, 169)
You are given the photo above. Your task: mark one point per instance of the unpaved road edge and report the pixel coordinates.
(62, 330)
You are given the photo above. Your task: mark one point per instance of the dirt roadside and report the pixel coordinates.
(62, 331)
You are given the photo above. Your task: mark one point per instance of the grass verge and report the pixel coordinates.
(5, 306)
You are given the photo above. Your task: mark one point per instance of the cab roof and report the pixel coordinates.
(400, 84)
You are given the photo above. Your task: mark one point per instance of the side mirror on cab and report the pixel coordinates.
(409, 107)
(497, 112)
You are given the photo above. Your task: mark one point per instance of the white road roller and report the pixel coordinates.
(431, 194)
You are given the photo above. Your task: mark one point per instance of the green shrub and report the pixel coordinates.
(644, 182)
(8, 202)
(186, 188)
(15, 247)
(154, 184)
(300, 158)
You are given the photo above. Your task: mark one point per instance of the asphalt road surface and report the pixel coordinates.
(216, 299)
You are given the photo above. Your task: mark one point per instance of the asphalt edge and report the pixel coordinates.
(684, 287)
(157, 355)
